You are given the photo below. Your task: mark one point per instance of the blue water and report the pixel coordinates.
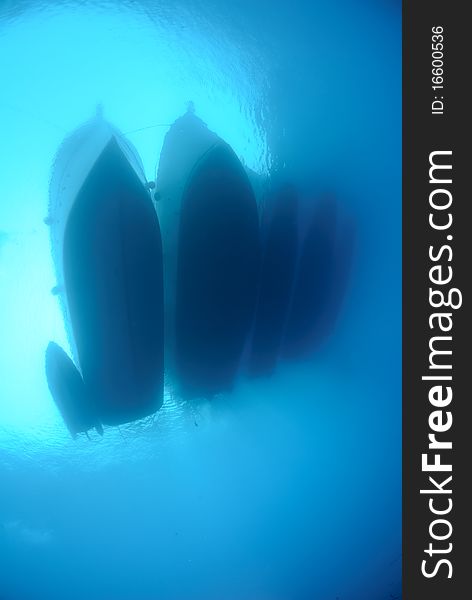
(289, 488)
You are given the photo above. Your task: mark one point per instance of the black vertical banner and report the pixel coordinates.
(437, 269)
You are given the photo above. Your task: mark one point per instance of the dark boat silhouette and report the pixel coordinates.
(68, 391)
(279, 254)
(217, 269)
(314, 283)
(107, 251)
(198, 182)
(184, 145)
